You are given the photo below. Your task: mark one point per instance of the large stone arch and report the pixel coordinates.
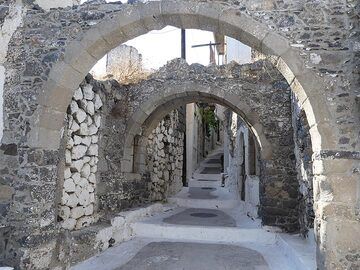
(131, 21)
(58, 57)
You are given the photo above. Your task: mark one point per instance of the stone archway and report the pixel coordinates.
(257, 92)
(57, 59)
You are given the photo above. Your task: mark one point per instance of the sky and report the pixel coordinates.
(160, 46)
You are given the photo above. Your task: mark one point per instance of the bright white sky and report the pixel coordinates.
(158, 47)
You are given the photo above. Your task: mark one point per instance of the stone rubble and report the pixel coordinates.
(81, 158)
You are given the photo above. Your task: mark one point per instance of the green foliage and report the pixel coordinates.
(209, 119)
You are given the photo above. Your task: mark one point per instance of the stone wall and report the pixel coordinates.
(240, 178)
(165, 156)
(81, 157)
(317, 44)
(261, 88)
(304, 165)
(117, 190)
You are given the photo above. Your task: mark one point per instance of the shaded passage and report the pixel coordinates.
(214, 161)
(201, 217)
(211, 170)
(191, 256)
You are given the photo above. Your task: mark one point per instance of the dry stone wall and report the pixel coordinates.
(81, 158)
(165, 156)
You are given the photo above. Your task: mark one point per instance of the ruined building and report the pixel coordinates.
(252, 166)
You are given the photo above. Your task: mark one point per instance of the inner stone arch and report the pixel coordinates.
(252, 98)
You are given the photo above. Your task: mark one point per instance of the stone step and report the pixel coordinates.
(203, 203)
(201, 233)
(204, 183)
(191, 197)
(197, 175)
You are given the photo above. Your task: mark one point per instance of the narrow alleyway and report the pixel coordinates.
(202, 227)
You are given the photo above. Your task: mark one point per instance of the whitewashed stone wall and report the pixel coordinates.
(165, 157)
(81, 158)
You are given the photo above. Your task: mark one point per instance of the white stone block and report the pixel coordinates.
(93, 169)
(83, 104)
(77, 212)
(94, 139)
(74, 127)
(84, 129)
(92, 178)
(92, 198)
(90, 108)
(84, 197)
(93, 129)
(69, 185)
(86, 170)
(86, 159)
(76, 177)
(64, 198)
(83, 182)
(74, 107)
(78, 190)
(73, 200)
(67, 173)
(69, 224)
(93, 150)
(77, 140)
(77, 165)
(64, 212)
(89, 120)
(86, 140)
(78, 151)
(78, 95)
(97, 120)
(90, 188)
(80, 116)
(97, 102)
(89, 210)
(88, 92)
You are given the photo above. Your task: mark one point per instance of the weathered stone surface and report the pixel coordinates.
(69, 185)
(78, 95)
(78, 151)
(325, 60)
(88, 92)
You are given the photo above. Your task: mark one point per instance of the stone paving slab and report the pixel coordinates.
(195, 256)
(202, 193)
(201, 217)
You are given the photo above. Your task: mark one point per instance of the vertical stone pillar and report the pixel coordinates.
(337, 222)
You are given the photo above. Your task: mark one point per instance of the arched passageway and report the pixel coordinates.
(59, 56)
